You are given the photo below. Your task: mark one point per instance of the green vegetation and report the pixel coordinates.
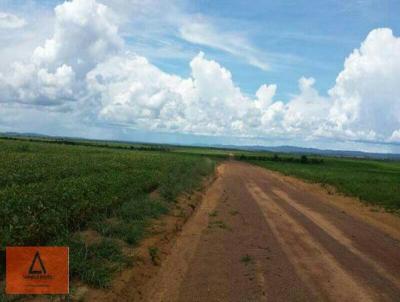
(95, 263)
(233, 212)
(373, 181)
(303, 159)
(246, 259)
(218, 224)
(89, 143)
(51, 193)
(153, 253)
(204, 151)
(213, 213)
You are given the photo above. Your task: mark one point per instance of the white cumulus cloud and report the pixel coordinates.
(83, 37)
(395, 137)
(134, 92)
(85, 71)
(11, 21)
(367, 92)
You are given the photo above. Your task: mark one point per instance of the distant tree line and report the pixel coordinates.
(303, 159)
(90, 144)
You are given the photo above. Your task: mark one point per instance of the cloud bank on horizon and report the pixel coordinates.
(85, 75)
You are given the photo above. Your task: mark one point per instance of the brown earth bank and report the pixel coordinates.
(260, 236)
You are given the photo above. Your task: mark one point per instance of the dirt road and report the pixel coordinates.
(260, 236)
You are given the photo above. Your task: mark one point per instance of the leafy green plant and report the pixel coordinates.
(246, 259)
(233, 212)
(153, 253)
(218, 224)
(213, 213)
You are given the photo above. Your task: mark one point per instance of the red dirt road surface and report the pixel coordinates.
(261, 236)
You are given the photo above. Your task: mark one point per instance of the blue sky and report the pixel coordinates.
(298, 46)
(318, 35)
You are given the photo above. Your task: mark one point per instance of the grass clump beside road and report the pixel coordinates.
(95, 263)
(218, 224)
(374, 182)
(154, 255)
(246, 259)
(51, 193)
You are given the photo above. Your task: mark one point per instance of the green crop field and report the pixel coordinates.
(51, 192)
(375, 182)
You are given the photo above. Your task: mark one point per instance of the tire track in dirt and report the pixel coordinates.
(315, 266)
(337, 234)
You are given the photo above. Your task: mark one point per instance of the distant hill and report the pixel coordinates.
(275, 149)
(315, 151)
(25, 134)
